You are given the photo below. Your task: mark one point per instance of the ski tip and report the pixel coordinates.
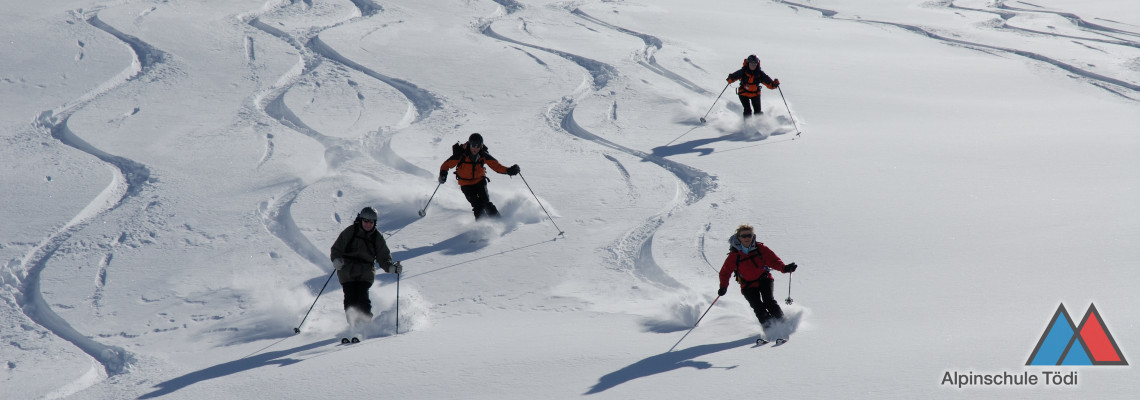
(344, 341)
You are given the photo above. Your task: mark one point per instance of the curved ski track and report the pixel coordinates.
(1005, 13)
(275, 213)
(633, 252)
(129, 180)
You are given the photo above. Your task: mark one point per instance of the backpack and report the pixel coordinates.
(464, 157)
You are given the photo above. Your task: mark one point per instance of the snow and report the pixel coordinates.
(949, 173)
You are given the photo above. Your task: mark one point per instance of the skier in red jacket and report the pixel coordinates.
(752, 262)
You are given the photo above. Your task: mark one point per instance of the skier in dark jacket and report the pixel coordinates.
(468, 160)
(751, 77)
(354, 255)
(752, 262)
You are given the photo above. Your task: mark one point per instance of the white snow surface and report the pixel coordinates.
(945, 174)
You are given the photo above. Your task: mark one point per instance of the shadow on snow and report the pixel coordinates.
(666, 362)
(279, 358)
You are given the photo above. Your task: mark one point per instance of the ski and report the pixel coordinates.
(762, 341)
(349, 341)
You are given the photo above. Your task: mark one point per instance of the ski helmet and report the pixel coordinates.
(475, 139)
(753, 59)
(367, 213)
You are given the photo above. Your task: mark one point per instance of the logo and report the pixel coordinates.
(1065, 343)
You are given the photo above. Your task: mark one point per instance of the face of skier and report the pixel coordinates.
(753, 65)
(475, 147)
(745, 237)
(368, 224)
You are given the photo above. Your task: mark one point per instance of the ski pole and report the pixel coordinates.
(682, 135)
(789, 115)
(423, 212)
(398, 276)
(714, 102)
(298, 328)
(695, 325)
(560, 232)
(788, 300)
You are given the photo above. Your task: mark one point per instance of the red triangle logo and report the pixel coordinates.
(1101, 346)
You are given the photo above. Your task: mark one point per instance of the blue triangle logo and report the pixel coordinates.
(1056, 342)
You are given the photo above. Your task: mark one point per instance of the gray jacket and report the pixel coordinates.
(359, 250)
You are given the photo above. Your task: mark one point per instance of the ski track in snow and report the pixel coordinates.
(1006, 13)
(129, 180)
(275, 213)
(633, 252)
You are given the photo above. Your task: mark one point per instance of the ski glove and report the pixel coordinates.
(338, 263)
(776, 83)
(442, 176)
(722, 291)
(790, 268)
(513, 170)
(396, 268)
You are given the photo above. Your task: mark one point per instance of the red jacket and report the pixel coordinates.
(750, 268)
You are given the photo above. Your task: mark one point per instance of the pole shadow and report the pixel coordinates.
(665, 362)
(408, 254)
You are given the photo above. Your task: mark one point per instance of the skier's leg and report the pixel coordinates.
(747, 104)
(356, 299)
(472, 193)
(770, 303)
(752, 294)
(488, 208)
(756, 105)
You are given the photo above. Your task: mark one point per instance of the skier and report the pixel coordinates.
(468, 160)
(751, 77)
(354, 255)
(752, 263)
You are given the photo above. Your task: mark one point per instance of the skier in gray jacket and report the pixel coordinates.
(354, 255)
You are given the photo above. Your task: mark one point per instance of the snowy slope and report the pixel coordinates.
(178, 171)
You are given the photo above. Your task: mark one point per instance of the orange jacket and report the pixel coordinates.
(750, 81)
(469, 167)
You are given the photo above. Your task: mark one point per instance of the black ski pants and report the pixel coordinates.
(480, 202)
(356, 296)
(751, 104)
(763, 303)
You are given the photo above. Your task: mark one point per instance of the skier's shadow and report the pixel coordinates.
(459, 244)
(278, 358)
(694, 146)
(665, 362)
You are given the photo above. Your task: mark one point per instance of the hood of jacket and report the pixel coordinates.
(734, 244)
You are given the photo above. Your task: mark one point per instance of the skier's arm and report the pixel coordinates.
(726, 270)
(768, 81)
(771, 259)
(449, 164)
(383, 254)
(341, 243)
(494, 164)
(735, 76)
